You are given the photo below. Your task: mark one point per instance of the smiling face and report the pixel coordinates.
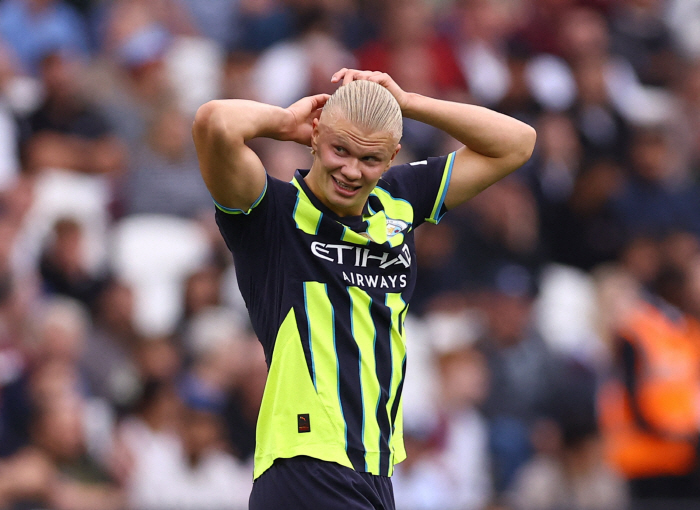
(349, 161)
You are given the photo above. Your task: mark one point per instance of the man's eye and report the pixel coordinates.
(340, 149)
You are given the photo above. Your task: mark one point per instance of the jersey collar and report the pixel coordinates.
(371, 226)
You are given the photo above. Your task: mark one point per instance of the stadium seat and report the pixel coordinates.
(155, 254)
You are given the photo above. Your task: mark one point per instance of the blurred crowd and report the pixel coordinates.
(554, 343)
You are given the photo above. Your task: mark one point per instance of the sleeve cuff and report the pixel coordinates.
(229, 210)
(439, 209)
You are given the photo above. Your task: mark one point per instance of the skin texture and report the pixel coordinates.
(494, 145)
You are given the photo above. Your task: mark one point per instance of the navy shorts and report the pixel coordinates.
(305, 483)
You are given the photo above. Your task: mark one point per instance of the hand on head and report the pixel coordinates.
(303, 113)
(348, 75)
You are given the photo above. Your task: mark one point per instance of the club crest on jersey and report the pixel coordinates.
(394, 227)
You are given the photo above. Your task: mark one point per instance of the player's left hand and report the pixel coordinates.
(348, 75)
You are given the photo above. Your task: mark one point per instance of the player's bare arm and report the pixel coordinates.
(494, 144)
(233, 173)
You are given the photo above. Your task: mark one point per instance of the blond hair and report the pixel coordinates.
(367, 105)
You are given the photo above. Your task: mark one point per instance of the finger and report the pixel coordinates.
(319, 100)
(379, 77)
(349, 76)
(355, 75)
(339, 75)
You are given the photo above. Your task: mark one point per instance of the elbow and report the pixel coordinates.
(526, 145)
(208, 120)
(213, 126)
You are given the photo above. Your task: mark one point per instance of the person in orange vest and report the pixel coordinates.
(649, 413)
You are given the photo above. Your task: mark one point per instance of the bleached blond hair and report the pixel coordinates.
(367, 105)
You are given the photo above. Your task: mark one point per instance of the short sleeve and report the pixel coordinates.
(256, 239)
(423, 184)
(228, 210)
(243, 229)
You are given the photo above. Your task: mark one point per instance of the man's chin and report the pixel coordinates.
(344, 206)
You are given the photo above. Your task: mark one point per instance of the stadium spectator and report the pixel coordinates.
(522, 371)
(501, 226)
(659, 195)
(203, 290)
(172, 453)
(482, 27)
(262, 24)
(648, 408)
(221, 353)
(584, 231)
(110, 362)
(55, 469)
(146, 439)
(133, 84)
(163, 175)
(14, 393)
(642, 36)
(568, 471)
(124, 25)
(218, 20)
(66, 131)
(63, 264)
(450, 469)
(34, 28)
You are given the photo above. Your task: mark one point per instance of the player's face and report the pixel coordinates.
(349, 162)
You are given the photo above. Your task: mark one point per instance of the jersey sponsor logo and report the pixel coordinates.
(376, 281)
(359, 256)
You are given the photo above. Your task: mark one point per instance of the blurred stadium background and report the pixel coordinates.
(554, 353)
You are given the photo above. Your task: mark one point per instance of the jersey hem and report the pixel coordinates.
(263, 462)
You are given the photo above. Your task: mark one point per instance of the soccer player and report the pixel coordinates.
(326, 266)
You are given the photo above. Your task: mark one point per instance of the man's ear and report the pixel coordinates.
(398, 148)
(314, 133)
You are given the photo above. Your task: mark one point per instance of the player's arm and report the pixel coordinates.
(494, 144)
(233, 173)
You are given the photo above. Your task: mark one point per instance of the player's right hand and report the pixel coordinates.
(303, 113)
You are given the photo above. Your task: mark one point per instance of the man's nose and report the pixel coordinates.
(351, 170)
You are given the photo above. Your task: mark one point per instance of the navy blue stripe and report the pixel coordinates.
(397, 399)
(349, 388)
(303, 328)
(381, 314)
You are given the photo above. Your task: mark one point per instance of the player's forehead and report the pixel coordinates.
(339, 129)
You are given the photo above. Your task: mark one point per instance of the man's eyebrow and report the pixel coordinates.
(376, 154)
(348, 143)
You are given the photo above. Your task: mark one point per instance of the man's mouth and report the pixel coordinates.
(344, 186)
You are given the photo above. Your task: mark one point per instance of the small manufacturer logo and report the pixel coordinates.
(394, 227)
(303, 423)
